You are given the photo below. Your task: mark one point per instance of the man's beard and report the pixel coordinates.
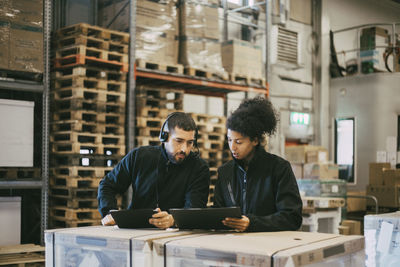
(175, 159)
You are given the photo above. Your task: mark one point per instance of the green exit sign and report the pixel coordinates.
(299, 118)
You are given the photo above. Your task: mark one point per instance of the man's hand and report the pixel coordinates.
(108, 220)
(239, 224)
(162, 219)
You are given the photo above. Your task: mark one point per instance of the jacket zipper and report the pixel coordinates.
(244, 202)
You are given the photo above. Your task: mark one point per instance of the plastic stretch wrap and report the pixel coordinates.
(199, 36)
(156, 27)
(382, 239)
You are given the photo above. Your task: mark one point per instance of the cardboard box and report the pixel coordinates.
(201, 53)
(28, 12)
(199, 19)
(26, 48)
(300, 11)
(376, 172)
(297, 154)
(4, 44)
(356, 204)
(263, 249)
(391, 177)
(344, 230)
(242, 57)
(321, 171)
(320, 155)
(388, 196)
(355, 226)
(297, 170)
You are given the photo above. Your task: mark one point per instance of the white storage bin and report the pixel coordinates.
(282, 249)
(382, 239)
(16, 134)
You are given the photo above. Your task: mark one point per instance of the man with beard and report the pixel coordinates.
(162, 177)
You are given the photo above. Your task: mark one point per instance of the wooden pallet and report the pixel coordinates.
(88, 105)
(59, 223)
(211, 155)
(93, 42)
(323, 202)
(147, 141)
(22, 255)
(77, 60)
(208, 119)
(79, 171)
(67, 192)
(198, 72)
(211, 128)
(214, 163)
(90, 127)
(91, 52)
(164, 104)
(90, 116)
(211, 145)
(79, 81)
(248, 80)
(151, 92)
(214, 172)
(150, 112)
(84, 160)
(95, 31)
(21, 75)
(73, 203)
(151, 65)
(149, 122)
(19, 172)
(90, 72)
(148, 132)
(74, 182)
(64, 213)
(83, 138)
(78, 148)
(89, 94)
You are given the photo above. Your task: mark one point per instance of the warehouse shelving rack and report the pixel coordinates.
(43, 88)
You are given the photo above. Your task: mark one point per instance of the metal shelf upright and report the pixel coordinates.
(44, 88)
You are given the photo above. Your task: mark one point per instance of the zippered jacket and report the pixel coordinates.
(267, 193)
(156, 182)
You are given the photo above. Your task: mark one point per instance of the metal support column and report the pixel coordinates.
(130, 105)
(268, 22)
(45, 123)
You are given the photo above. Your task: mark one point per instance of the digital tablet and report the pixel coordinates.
(133, 218)
(204, 218)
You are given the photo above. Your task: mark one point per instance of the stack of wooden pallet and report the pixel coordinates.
(153, 106)
(88, 134)
(211, 144)
(22, 255)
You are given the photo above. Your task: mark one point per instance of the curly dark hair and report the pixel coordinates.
(254, 118)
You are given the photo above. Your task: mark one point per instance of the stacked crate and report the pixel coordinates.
(88, 116)
(211, 143)
(153, 106)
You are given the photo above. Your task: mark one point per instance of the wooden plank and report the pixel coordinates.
(19, 172)
(152, 65)
(13, 249)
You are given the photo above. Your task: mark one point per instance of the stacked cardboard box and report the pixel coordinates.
(200, 47)
(384, 184)
(156, 27)
(242, 58)
(21, 35)
(373, 42)
(88, 133)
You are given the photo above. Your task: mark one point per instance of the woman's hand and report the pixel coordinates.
(240, 224)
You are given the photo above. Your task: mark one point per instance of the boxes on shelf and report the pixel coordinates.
(376, 172)
(199, 45)
(387, 195)
(156, 27)
(298, 154)
(382, 234)
(321, 171)
(323, 188)
(355, 203)
(354, 226)
(391, 177)
(242, 57)
(266, 249)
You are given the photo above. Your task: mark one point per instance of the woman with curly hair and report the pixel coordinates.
(262, 184)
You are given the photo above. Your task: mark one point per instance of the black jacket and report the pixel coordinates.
(272, 200)
(182, 185)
